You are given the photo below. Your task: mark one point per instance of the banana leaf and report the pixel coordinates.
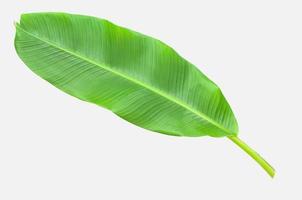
(137, 77)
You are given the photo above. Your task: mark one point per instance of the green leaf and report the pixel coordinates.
(137, 77)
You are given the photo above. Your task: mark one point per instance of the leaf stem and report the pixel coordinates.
(265, 165)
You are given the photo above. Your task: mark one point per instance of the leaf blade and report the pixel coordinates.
(51, 44)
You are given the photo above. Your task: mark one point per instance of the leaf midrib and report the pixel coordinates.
(152, 89)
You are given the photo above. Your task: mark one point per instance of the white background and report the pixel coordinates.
(53, 146)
